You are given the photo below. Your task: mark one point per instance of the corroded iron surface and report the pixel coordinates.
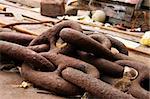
(67, 62)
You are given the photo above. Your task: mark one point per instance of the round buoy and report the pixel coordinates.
(99, 15)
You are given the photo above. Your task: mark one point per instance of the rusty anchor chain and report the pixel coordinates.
(67, 62)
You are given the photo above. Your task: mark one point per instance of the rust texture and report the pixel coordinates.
(19, 38)
(39, 48)
(85, 43)
(53, 81)
(43, 38)
(67, 62)
(104, 66)
(93, 85)
(118, 45)
(140, 86)
(22, 53)
(102, 39)
(52, 8)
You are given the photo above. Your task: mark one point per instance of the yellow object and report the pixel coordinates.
(24, 85)
(2, 7)
(146, 39)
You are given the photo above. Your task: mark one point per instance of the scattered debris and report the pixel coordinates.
(25, 85)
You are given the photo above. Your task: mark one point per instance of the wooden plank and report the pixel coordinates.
(37, 16)
(142, 49)
(34, 16)
(134, 46)
(140, 57)
(126, 38)
(26, 12)
(31, 3)
(29, 29)
(100, 26)
(104, 31)
(135, 34)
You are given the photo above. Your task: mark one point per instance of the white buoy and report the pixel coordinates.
(99, 15)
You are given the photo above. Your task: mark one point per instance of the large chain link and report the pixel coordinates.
(67, 62)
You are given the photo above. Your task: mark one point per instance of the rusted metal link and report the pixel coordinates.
(104, 66)
(23, 39)
(121, 56)
(53, 81)
(39, 48)
(140, 86)
(52, 35)
(93, 85)
(50, 81)
(46, 36)
(19, 38)
(63, 61)
(85, 43)
(101, 38)
(118, 45)
(109, 42)
(24, 54)
(67, 62)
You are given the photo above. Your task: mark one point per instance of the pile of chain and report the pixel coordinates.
(67, 62)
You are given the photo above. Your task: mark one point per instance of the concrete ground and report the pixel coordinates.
(9, 90)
